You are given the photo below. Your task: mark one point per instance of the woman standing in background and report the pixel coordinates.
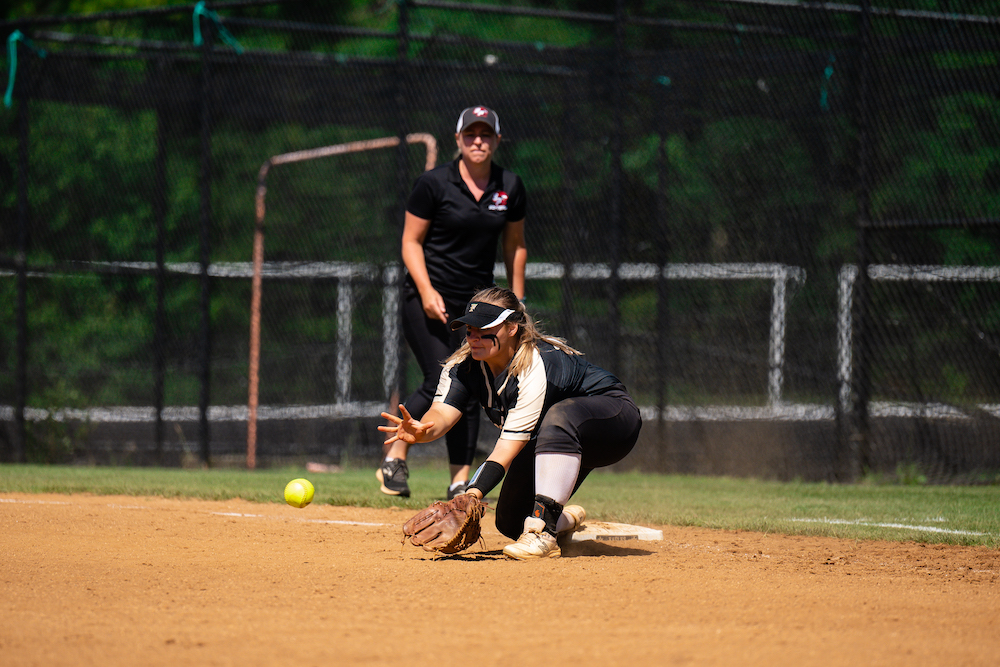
(455, 216)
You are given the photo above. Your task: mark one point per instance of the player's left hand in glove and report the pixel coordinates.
(446, 527)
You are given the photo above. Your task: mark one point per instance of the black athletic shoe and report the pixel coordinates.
(393, 475)
(458, 490)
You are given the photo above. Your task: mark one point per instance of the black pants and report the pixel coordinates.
(432, 342)
(601, 429)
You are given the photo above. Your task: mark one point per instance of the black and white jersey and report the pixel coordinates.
(517, 405)
(460, 247)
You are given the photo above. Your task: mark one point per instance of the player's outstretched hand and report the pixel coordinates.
(404, 428)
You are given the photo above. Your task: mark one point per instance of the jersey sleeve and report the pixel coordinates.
(422, 201)
(450, 390)
(523, 417)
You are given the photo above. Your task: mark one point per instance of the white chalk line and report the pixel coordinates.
(34, 502)
(904, 526)
(229, 514)
(284, 518)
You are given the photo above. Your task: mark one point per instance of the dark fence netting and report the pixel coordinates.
(777, 222)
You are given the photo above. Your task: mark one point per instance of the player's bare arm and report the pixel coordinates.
(414, 232)
(515, 256)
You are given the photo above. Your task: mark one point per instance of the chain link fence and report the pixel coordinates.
(777, 222)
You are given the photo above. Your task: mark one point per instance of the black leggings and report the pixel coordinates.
(432, 342)
(601, 429)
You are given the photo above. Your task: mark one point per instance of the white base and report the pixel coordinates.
(603, 531)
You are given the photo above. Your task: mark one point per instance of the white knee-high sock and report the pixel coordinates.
(555, 475)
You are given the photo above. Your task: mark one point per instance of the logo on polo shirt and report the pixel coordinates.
(499, 201)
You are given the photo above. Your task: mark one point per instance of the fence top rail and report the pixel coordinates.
(802, 412)
(536, 270)
(923, 273)
(831, 7)
(372, 271)
(933, 273)
(592, 17)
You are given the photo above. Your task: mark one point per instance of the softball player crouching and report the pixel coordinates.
(560, 418)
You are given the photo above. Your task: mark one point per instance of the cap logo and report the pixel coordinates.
(480, 111)
(472, 306)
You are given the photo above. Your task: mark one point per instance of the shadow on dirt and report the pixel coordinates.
(598, 548)
(589, 548)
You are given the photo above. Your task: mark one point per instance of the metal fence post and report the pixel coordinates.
(205, 351)
(860, 445)
(21, 259)
(398, 383)
(615, 241)
(159, 214)
(662, 242)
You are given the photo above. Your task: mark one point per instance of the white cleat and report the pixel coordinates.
(533, 543)
(577, 514)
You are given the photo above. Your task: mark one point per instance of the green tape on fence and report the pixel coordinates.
(12, 40)
(824, 102)
(201, 10)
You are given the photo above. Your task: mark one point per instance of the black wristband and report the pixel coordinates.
(487, 477)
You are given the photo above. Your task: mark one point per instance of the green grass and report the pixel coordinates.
(965, 515)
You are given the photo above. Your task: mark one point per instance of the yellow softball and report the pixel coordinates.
(299, 492)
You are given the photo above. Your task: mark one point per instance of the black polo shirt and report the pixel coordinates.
(460, 247)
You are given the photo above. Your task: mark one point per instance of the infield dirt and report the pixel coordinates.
(117, 581)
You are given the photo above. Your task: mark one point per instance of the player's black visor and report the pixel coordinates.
(483, 316)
